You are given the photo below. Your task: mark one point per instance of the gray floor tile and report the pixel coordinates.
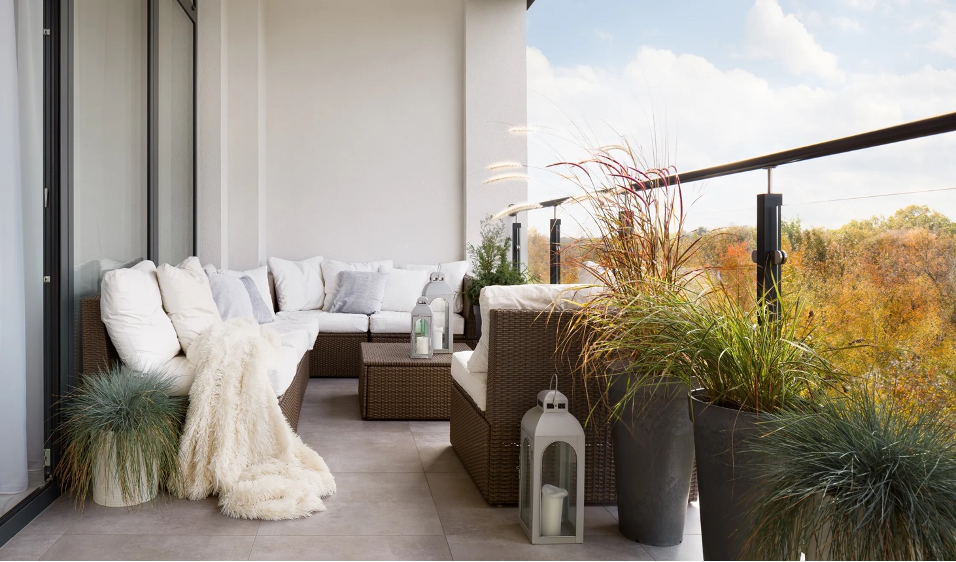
(335, 418)
(690, 549)
(515, 545)
(350, 548)
(380, 488)
(366, 451)
(27, 547)
(56, 519)
(172, 517)
(149, 547)
(331, 391)
(430, 427)
(412, 518)
(436, 453)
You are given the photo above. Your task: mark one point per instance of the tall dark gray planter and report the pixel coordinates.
(653, 461)
(724, 476)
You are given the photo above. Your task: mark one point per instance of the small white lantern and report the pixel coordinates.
(551, 491)
(441, 299)
(421, 330)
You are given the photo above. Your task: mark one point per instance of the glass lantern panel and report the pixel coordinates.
(524, 488)
(440, 325)
(421, 336)
(559, 475)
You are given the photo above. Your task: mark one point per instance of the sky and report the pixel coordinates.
(701, 83)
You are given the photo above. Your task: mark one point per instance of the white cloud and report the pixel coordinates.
(780, 37)
(945, 42)
(604, 36)
(815, 19)
(698, 115)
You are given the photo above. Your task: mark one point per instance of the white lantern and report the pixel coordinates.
(421, 330)
(441, 299)
(551, 491)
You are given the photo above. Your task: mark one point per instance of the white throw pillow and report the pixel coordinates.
(187, 299)
(259, 276)
(454, 271)
(132, 310)
(403, 288)
(298, 283)
(332, 268)
(523, 297)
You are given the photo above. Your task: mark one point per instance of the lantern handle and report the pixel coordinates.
(554, 382)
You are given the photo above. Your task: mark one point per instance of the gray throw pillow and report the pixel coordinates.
(230, 296)
(260, 310)
(360, 292)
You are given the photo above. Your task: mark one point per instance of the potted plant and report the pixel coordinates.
(638, 249)
(491, 265)
(744, 364)
(121, 431)
(856, 477)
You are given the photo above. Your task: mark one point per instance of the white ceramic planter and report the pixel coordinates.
(106, 487)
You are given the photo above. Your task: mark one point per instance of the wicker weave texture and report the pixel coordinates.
(470, 437)
(393, 386)
(526, 348)
(337, 355)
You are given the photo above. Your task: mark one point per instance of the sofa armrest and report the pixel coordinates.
(525, 349)
(96, 350)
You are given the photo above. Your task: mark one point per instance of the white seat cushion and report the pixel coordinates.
(286, 323)
(131, 307)
(182, 372)
(331, 322)
(475, 384)
(287, 363)
(391, 322)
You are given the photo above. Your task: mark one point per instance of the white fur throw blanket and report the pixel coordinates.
(236, 443)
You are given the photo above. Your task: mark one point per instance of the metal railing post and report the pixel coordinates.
(555, 253)
(769, 255)
(516, 243)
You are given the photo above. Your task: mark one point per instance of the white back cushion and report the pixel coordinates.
(332, 268)
(299, 284)
(454, 271)
(132, 310)
(187, 299)
(259, 276)
(523, 297)
(403, 288)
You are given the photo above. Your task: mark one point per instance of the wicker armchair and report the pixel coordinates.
(526, 349)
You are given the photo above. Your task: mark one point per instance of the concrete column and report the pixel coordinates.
(496, 100)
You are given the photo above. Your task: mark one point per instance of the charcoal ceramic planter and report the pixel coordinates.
(725, 480)
(653, 461)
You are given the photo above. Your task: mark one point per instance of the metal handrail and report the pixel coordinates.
(898, 133)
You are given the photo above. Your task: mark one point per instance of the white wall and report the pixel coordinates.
(356, 130)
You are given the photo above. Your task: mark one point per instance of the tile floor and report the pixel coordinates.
(402, 494)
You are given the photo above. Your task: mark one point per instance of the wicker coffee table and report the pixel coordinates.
(393, 386)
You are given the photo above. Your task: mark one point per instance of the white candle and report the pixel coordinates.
(552, 507)
(421, 345)
(437, 334)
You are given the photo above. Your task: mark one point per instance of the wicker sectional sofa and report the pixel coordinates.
(339, 354)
